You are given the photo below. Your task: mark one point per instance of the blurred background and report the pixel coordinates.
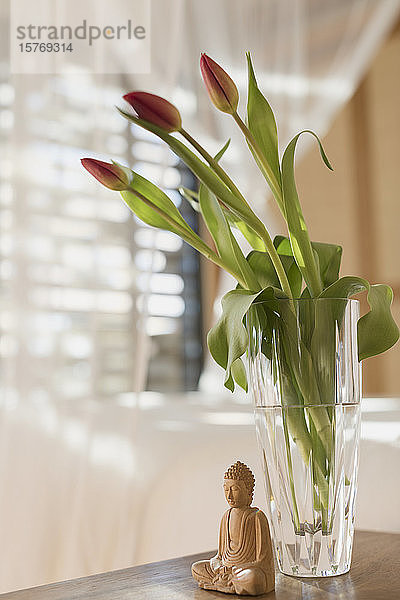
(114, 425)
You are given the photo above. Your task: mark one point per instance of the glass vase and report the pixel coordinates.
(305, 381)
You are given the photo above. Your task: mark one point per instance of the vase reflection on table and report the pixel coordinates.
(305, 383)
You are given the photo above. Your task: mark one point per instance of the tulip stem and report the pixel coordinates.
(214, 165)
(264, 165)
(261, 231)
(191, 238)
(256, 225)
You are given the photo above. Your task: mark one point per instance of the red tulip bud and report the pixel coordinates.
(111, 175)
(156, 110)
(222, 90)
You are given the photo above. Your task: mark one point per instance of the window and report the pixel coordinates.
(93, 302)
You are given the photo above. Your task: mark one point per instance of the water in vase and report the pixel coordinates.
(310, 462)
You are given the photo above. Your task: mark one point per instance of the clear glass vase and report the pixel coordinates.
(305, 382)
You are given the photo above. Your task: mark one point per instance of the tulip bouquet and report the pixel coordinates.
(289, 267)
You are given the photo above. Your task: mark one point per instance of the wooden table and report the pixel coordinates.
(375, 575)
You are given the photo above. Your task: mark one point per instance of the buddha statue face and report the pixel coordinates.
(237, 493)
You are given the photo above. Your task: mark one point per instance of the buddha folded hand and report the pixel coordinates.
(243, 563)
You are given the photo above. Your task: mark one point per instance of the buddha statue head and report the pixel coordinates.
(239, 485)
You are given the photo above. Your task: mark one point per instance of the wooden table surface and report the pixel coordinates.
(374, 575)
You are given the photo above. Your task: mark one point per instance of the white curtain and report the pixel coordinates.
(72, 484)
(309, 58)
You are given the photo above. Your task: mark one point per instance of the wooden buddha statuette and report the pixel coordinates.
(244, 561)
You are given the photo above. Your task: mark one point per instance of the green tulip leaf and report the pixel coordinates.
(263, 268)
(284, 250)
(293, 274)
(224, 148)
(377, 330)
(282, 245)
(298, 234)
(261, 122)
(345, 287)
(228, 340)
(156, 197)
(239, 374)
(328, 258)
(253, 239)
(227, 246)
